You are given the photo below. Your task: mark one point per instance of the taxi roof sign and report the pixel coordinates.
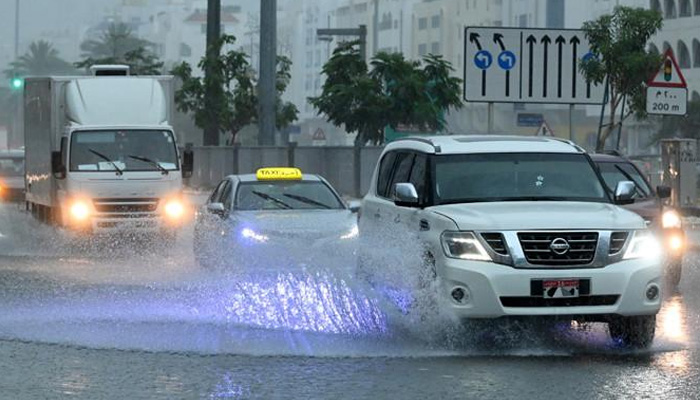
(278, 174)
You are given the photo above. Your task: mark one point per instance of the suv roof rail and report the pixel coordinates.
(569, 142)
(617, 153)
(437, 148)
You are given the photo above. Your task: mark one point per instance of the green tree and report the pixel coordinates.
(395, 92)
(119, 45)
(237, 101)
(40, 60)
(620, 39)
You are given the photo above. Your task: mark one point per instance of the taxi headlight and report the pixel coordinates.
(251, 234)
(671, 219)
(351, 234)
(174, 209)
(79, 210)
(463, 245)
(643, 245)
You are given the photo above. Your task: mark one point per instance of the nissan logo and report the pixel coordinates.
(559, 246)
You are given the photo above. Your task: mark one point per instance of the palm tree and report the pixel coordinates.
(119, 45)
(41, 59)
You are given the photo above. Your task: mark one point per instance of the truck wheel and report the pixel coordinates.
(634, 332)
(674, 272)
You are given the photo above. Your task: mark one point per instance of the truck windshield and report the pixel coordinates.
(516, 177)
(13, 167)
(123, 150)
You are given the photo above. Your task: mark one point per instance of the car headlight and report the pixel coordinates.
(255, 236)
(463, 245)
(671, 219)
(643, 245)
(79, 210)
(174, 209)
(351, 234)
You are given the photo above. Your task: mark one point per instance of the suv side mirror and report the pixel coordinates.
(57, 168)
(354, 205)
(187, 163)
(664, 192)
(217, 209)
(624, 192)
(405, 195)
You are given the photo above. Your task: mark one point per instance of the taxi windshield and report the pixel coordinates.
(279, 195)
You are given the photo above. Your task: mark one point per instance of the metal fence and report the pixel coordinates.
(348, 169)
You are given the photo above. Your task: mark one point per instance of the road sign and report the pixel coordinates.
(319, 134)
(531, 66)
(530, 119)
(544, 130)
(667, 100)
(669, 75)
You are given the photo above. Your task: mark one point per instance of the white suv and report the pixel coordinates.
(516, 226)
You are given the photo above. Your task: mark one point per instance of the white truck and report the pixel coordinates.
(101, 155)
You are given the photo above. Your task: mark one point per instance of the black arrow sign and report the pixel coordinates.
(474, 38)
(545, 41)
(498, 38)
(531, 41)
(574, 42)
(560, 41)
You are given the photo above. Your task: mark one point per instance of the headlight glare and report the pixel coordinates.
(463, 245)
(174, 209)
(643, 245)
(79, 210)
(671, 219)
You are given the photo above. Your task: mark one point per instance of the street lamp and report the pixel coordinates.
(326, 34)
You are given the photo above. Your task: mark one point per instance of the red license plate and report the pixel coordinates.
(559, 288)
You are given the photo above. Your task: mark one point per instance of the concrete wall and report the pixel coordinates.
(348, 169)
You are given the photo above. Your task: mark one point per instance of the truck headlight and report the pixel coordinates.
(643, 245)
(671, 219)
(174, 209)
(79, 211)
(463, 245)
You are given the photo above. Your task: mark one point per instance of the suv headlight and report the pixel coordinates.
(463, 245)
(643, 245)
(671, 219)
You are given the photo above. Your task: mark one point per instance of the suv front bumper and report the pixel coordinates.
(496, 290)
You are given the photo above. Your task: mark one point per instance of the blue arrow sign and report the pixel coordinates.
(506, 60)
(483, 59)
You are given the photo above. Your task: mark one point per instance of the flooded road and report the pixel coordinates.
(128, 320)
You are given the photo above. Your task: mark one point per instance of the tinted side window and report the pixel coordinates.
(385, 173)
(216, 194)
(419, 176)
(226, 197)
(404, 162)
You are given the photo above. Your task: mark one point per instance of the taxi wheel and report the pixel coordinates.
(633, 332)
(675, 270)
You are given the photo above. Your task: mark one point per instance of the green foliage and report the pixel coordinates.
(395, 92)
(42, 59)
(620, 41)
(118, 45)
(235, 103)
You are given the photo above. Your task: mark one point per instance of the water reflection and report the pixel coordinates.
(671, 325)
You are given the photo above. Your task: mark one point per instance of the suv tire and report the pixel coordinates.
(634, 332)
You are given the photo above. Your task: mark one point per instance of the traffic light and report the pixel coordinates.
(668, 70)
(16, 83)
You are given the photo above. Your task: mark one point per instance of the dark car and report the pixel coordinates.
(649, 204)
(12, 175)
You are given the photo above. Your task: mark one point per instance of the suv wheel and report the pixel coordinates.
(634, 332)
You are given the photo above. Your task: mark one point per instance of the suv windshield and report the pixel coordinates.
(516, 177)
(615, 172)
(125, 150)
(286, 195)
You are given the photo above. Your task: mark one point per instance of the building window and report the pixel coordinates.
(683, 55)
(655, 6)
(307, 83)
(522, 21)
(185, 50)
(435, 21)
(670, 9)
(317, 84)
(684, 8)
(435, 48)
(466, 4)
(696, 53)
(422, 23)
(422, 49)
(309, 59)
(697, 7)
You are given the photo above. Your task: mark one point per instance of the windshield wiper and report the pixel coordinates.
(307, 200)
(149, 161)
(272, 199)
(104, 157)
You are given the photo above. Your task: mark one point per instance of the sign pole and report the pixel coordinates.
(571, 122)
(490, 118)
